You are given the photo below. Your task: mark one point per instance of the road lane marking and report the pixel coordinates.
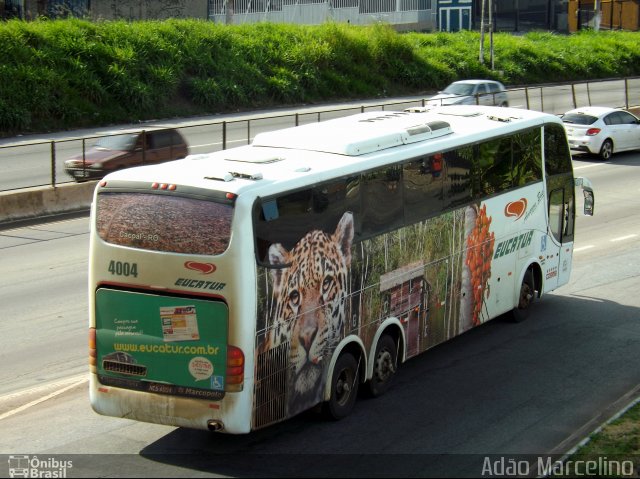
(74, 381)
(582, 248)
(590, 166)
(622, 238)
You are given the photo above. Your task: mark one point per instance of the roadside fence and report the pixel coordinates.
(41, 163)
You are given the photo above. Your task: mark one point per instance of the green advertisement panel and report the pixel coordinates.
(163, 344)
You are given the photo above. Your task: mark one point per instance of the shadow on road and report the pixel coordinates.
(503, 389)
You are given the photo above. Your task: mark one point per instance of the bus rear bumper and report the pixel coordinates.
(221, 416)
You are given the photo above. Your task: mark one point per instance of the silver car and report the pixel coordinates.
(601, 130)
(472, 92)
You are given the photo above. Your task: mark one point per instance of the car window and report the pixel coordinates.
(627, 118)
(494, 88)
(459, 89)
(162, 139)
(117, 142)
(579, 119)
(613, 119)
(177, 138)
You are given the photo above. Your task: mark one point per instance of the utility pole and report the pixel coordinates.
(481, 57)
(228, 17)
(491, 4)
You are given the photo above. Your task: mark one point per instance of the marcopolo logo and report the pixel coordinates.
(516, 208)
(33, 466)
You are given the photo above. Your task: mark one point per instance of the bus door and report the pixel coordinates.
(561, 225)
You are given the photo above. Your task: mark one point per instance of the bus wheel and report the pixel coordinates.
(344, 387)
(527, 294)
(384, 366)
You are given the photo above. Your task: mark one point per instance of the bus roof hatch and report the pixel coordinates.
(355, 135)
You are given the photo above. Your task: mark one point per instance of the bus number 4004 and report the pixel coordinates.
(120, 268)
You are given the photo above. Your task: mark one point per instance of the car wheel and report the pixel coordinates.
(606, 150)
(504, 104)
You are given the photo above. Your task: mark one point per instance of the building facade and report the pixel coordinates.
(420, 15)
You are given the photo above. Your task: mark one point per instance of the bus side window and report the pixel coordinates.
(382, 204)
(562, 207)
(492, 171)
(556, 213)
(289, 217)
(331, 200)
(557, 157)
(281, 220)
(457, 187)
(527, 160)
(570, 211)
(422, 183)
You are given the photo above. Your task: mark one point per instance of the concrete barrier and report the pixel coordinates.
(45, 201)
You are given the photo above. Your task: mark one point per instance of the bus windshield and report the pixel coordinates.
(164, 223)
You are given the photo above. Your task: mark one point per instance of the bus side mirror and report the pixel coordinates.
(589, 199)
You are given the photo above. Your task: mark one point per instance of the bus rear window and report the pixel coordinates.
(164, 223)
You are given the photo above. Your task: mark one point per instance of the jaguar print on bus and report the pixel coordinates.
(309, 291)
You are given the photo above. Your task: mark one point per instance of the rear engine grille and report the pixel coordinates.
(124, 368)
(271, 386)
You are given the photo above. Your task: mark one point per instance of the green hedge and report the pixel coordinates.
(75, 73)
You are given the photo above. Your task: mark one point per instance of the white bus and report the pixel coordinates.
(232, 290)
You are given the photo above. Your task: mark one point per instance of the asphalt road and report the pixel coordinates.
(500, 390)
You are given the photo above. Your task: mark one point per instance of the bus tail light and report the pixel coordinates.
(92, 350)
(235, 369)
(593, 131)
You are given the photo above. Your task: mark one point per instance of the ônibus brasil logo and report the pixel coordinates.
(516, 208)
(204, 268)
(32, 466)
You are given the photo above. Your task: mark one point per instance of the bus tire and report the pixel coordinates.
(526, 297)
(344, 387)
(385, 364)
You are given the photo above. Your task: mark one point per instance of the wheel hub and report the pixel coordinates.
(384, 366)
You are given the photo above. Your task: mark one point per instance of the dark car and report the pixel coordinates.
(115, 152)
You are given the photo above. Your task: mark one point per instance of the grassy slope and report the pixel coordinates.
(618, 441)
(72, 73)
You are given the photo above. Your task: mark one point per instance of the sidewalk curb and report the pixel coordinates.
(613, 418)
(595, 425)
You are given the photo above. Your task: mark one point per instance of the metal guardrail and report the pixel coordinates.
(624, 91)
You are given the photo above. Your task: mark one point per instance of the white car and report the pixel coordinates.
(472, 92)
(601, 130)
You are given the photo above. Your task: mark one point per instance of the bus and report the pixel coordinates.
(232, 290)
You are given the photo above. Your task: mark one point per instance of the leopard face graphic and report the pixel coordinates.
(310, 293)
